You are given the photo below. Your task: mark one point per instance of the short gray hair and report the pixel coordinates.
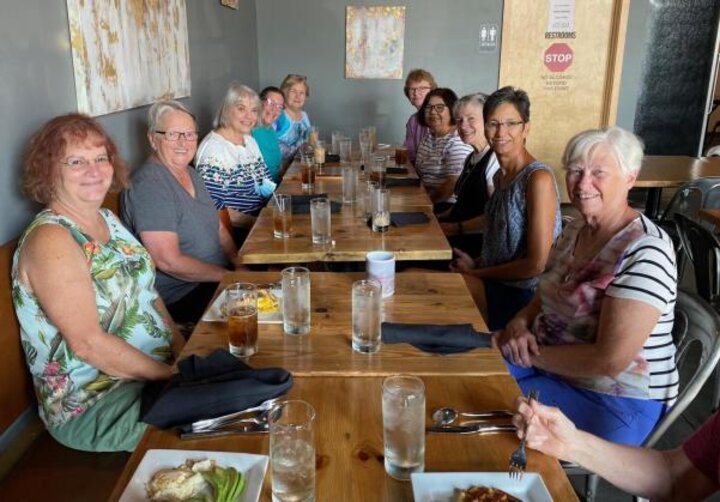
(236, 91)
(477, 99)
(627, 147)
(160, 108)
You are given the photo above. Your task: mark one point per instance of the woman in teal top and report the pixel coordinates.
(92, 325)
(273, 103)
(293, 124)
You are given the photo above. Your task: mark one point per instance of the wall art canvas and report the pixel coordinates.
(374, 42)
(235, 4)
(128, 54)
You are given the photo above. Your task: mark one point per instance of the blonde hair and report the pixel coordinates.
(291, 80)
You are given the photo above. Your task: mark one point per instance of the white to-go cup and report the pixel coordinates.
(380, 266)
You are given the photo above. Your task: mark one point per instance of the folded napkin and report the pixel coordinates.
(396, 170)
(436, 338)
(408, 218)
(332, 157)
(402, 182)
(301, 203)
(210, 387)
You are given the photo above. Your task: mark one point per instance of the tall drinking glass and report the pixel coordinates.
(282, 216)
(345, 145)
(365, 146)
(313, 135)
(368, 195)
(292, 451)
(242, 322)
(349, 183)
(403, 406)
(373, 138)
(381, 210)
(366, 303)
(307, 171)
(319, 153)
(320, 220)
(379, 170)
(335, 138)
(296, 300)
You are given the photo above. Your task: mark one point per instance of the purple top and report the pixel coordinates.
(414, 133)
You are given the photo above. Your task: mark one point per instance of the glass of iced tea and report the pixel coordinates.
(242, 322)
(282, 216)
(401, 156)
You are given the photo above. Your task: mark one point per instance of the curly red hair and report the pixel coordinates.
(47, 147)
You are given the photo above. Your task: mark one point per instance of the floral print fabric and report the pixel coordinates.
(128, 307)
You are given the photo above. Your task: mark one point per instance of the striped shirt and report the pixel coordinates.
(231, 171)
(638, 263)
(439, 158)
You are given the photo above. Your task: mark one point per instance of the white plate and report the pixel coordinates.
(440, 486)
(214, 312)
(253, 468)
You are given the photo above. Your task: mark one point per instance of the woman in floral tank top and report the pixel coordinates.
(92, 325)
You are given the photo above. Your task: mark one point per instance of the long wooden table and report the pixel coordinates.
(425, 298)
(349, 439)
(352, 239)
(671, 171)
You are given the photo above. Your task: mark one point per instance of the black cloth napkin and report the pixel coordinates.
(210, 387)
(396, 170)
(301, 203)
(402, 182)
(436, 338)
(332, 157)
(408, 218)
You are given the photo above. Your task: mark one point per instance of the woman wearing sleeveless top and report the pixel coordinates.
(92, 325)
(522, 217)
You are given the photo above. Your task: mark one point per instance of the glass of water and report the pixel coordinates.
(368, 194)
(403, 406)
(292, 452)
(335, 138)
(320, 220)
(296, 300)
(366, 303)
(365, 146)
(349, 183)
(345, 145)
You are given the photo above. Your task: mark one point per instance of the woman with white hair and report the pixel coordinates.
(596, 338)
(230, 162)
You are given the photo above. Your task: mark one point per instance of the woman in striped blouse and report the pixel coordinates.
(596, 338)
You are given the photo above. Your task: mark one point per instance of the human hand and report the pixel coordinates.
(549, 430)
(449, 228)
(463, 262)
(517, 343)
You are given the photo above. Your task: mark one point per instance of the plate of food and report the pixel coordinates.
(478, 487)
(184, 475)
(269, 305)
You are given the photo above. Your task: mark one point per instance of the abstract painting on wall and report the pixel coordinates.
(128, 54)
(235, 4)
(374, 42)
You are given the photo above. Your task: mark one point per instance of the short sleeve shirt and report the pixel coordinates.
(438, 158)
(291, 134)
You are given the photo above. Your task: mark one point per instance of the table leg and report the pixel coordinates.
(652, 204)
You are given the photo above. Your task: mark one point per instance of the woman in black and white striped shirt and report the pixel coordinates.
(441, 154)
(596, 338)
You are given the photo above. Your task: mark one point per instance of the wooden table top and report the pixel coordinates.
(665, 171)
(711, 215)
(334, 170)
(430, 298)
(352, 240)
(349, 439)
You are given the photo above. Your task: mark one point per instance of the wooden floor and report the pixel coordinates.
(50, 472)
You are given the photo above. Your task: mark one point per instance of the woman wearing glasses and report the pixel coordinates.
(168, 207)
(273, 103)
(417, 84)
(293, 124)
(441, 154)
(230, 162)
(93, 327)
(522, 216)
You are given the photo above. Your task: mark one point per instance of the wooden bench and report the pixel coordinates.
(33, 466)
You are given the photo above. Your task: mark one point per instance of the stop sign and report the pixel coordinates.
(558, 57)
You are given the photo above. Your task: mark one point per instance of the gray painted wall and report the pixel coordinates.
(37, 82)
(308, 37)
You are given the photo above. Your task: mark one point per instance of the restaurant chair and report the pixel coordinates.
(696, 333)
(688, 200)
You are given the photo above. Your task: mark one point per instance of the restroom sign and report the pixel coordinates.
(558, 57)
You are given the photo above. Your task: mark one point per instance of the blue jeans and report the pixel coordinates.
(622, 420)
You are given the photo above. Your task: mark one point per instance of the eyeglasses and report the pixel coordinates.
(176, 135)
(418, 90)
(273, 104)
(81, 163)
(508, 124)
(439, 108)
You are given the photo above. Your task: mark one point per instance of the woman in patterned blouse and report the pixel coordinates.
(92, 325)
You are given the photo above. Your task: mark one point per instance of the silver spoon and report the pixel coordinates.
(446, 416)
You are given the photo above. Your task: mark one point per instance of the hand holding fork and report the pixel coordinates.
(518, 459)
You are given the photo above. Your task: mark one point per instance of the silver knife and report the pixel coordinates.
(256, 429)
(471, 429)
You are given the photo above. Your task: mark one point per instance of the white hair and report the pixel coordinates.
(627, 147)
(236, 91)
(160, 108)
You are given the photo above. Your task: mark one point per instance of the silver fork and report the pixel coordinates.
(215, 423)
(518, 459)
